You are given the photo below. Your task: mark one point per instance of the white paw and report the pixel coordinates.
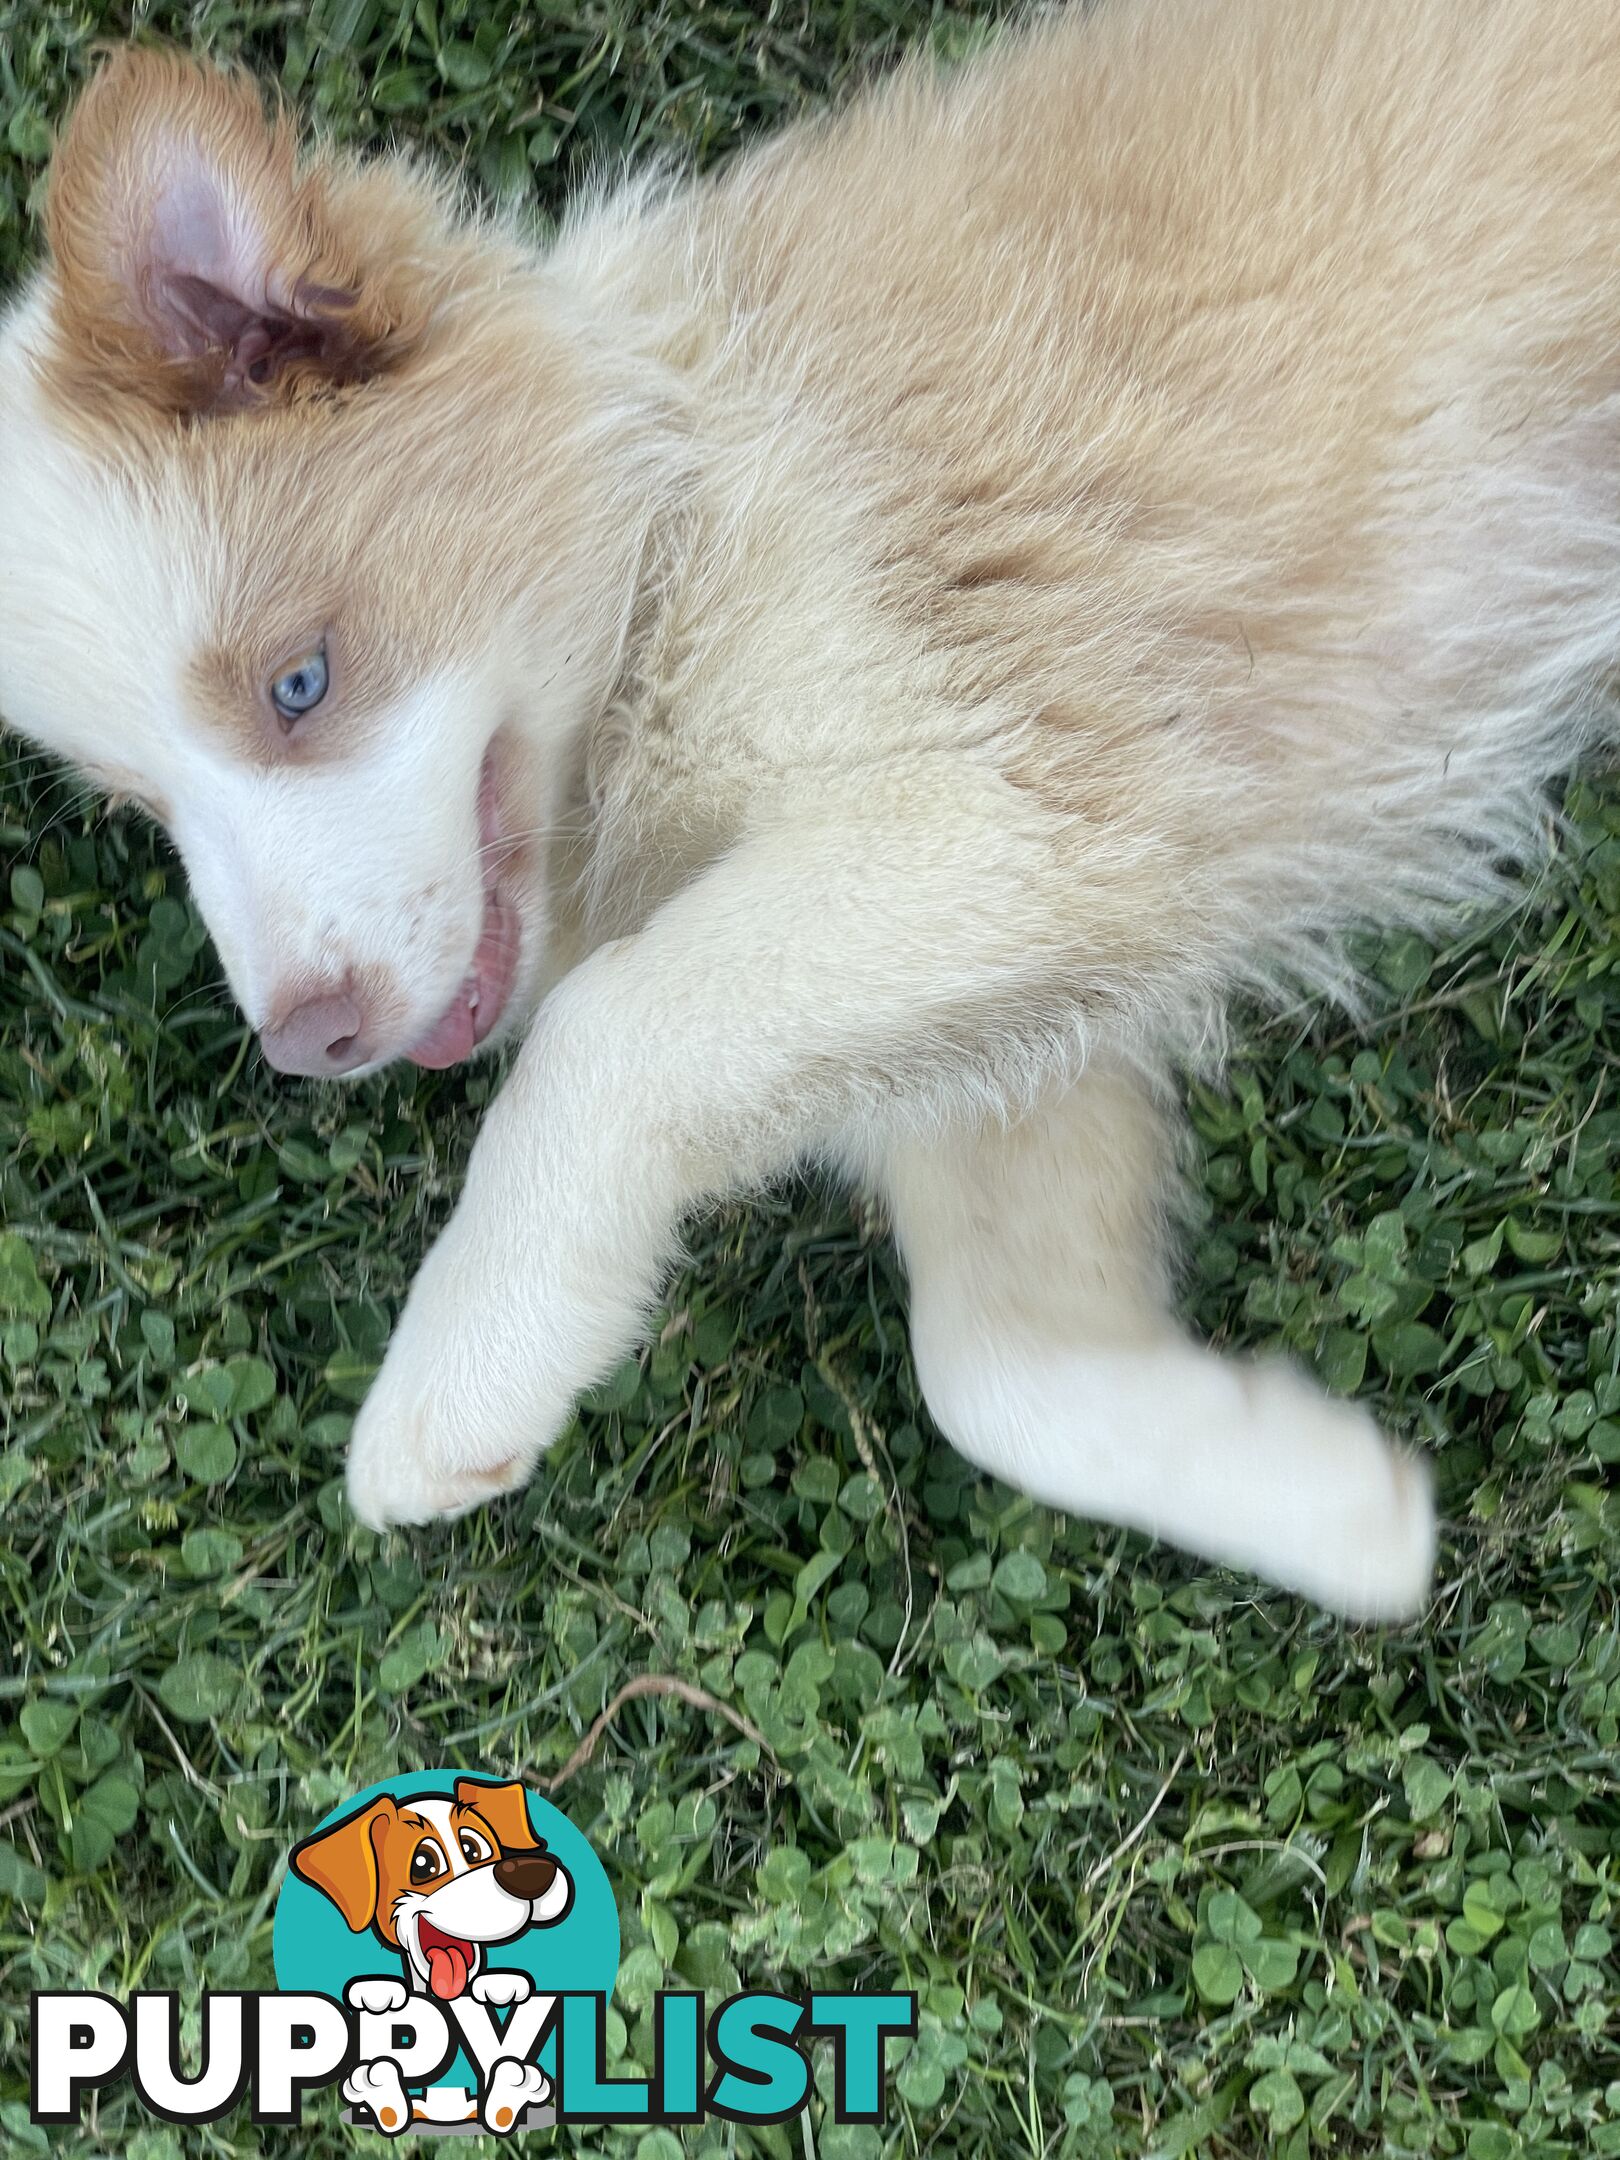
(378, 1996)
(1416, 1533)
(502, 1987)
(1389, 1571)
(461, 1409)
(512, 2087)
(538, 1285)
(1362, 1535)
(379, 2087)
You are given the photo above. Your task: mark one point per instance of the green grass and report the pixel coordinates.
(1177, 1867)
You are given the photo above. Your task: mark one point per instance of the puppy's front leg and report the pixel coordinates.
(808, 968)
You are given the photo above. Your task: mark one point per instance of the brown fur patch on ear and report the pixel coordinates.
(504, 1808)
(201, 265)
(342, 1862)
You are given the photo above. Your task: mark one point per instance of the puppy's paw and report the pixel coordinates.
(461, 1409)
(415, 1457)
(1396, 1569)
(1365, 1541)
(378, 1996)
(512, 2088)
(500, 1988)
(379, 2087)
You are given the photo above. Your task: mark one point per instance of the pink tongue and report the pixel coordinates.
(451, 1038)
(447, 1971)
(457, 1032)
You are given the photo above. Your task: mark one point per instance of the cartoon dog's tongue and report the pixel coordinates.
(449, 1961)
(447, 1967)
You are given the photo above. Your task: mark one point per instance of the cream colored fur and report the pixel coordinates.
(960, 594)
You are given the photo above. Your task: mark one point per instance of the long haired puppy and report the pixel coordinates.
(857, 657)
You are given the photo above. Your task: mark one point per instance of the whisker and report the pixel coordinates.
(34, 761)
(568, 828)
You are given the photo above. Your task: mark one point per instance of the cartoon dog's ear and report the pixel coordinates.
(505, 1808)
(201, 266)
(342, 1862)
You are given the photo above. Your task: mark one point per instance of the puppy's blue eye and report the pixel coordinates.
(302, 687)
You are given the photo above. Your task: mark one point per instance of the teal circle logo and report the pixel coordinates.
(445, 1892)
(446, 1948)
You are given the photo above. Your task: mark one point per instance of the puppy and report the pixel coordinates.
(858, 657)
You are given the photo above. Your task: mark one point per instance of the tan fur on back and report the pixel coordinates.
(1192, 362)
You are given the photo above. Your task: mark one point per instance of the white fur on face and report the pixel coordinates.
(306, 873)
(100, 604)
(466, 1901)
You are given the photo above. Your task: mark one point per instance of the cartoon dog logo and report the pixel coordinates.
(437, 1879)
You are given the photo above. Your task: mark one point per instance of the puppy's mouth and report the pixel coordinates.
(450, 1959)
(482, 993)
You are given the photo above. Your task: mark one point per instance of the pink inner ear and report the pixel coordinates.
(207, 286)
(203, 273)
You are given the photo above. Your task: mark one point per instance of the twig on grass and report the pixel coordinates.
(643, 1684)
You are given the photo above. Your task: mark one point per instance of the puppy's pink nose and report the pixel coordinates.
(323, 1037)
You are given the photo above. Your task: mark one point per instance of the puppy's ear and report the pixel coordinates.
(506, 1810)
(200, 266)
(342, 1862)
